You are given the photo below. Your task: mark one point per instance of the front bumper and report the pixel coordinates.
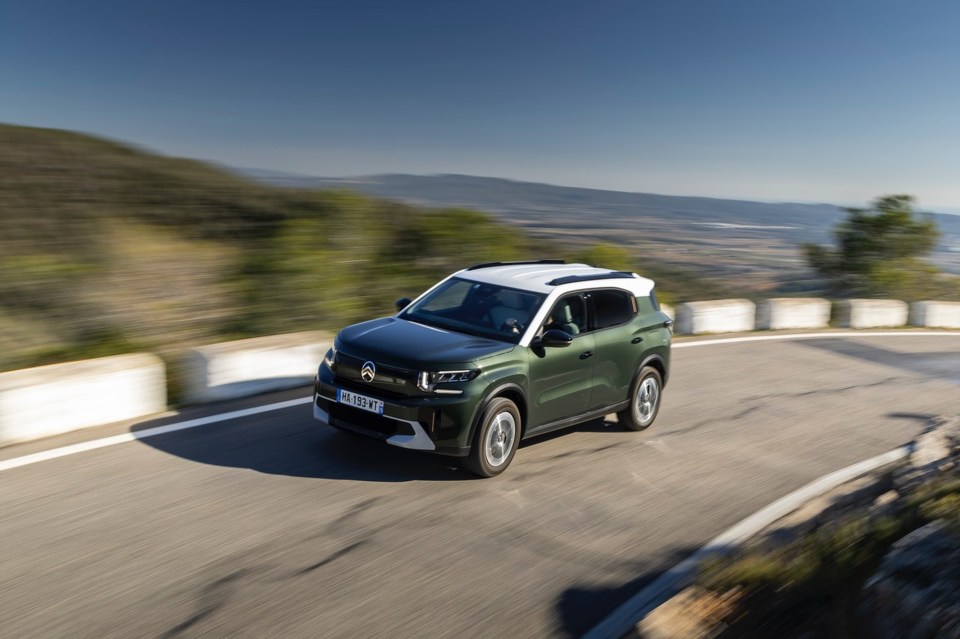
(436, 423)
(404, 433)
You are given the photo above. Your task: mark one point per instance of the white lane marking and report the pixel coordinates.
(73, 449)
(767, 338)
(627, 615)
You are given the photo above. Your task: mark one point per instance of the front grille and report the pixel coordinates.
(390, 382)
(382, 426)
(382, 369)
(368, 389)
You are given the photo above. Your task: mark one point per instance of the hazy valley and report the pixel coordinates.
(753, 243)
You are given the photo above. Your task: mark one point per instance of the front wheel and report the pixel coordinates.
(496, 439)
(644, 400)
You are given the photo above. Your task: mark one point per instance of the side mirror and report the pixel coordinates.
(556, 338)
(402, 303)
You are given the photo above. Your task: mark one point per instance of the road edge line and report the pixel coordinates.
(802, 336)
(625, 617)
(147, 433)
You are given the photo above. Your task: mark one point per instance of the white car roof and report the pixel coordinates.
(536, 277)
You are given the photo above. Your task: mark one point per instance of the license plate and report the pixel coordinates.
(360, 401)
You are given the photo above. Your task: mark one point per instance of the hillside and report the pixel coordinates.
(105, 248)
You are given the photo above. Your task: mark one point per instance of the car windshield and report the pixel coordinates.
(476, 308)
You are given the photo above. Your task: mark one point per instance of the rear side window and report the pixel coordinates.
(654, 300)
(612, 308)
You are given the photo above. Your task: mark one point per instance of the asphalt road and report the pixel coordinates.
(273, 526)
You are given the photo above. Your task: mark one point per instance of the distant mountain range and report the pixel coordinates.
(528, 201)
(711, 223)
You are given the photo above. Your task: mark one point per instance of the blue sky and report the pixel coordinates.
(817, 100)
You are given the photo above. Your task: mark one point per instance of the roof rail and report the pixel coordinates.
(612, 275)
(489, 264)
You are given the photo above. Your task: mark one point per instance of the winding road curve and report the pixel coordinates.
(272, 526)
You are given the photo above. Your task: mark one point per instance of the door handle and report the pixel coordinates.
(586, 354)
(636, 340)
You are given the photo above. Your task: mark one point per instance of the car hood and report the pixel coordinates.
(407, 344)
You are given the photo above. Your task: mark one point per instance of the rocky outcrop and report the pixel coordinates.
(916, 591)
(935, 450)
(915, 594)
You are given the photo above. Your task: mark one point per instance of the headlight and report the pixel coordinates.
(330, 357)
(427, 381)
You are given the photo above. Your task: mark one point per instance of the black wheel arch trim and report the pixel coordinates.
(489, 397)
(663, 368)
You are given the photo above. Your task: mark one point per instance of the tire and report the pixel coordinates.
(496, 439)
(645, 397)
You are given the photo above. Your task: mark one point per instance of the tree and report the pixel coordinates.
(878, 251)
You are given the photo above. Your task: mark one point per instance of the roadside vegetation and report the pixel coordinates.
(879, 252)
(106, 249)
(812, 585)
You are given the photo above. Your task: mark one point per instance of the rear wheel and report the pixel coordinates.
(496, 439)
(644, 400)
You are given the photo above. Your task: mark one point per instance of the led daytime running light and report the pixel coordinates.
(427, 381)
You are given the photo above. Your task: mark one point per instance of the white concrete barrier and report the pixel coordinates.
(48, 400)
(717, 316)
(860, 313)
(793, 312)
(668, 311)
(935, 314)
(252, 366)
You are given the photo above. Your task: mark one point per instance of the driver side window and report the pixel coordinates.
(568, 314)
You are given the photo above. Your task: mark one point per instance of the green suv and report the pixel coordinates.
(496, 353)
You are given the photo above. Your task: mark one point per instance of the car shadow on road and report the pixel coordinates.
(289, 442)
(297, 447)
